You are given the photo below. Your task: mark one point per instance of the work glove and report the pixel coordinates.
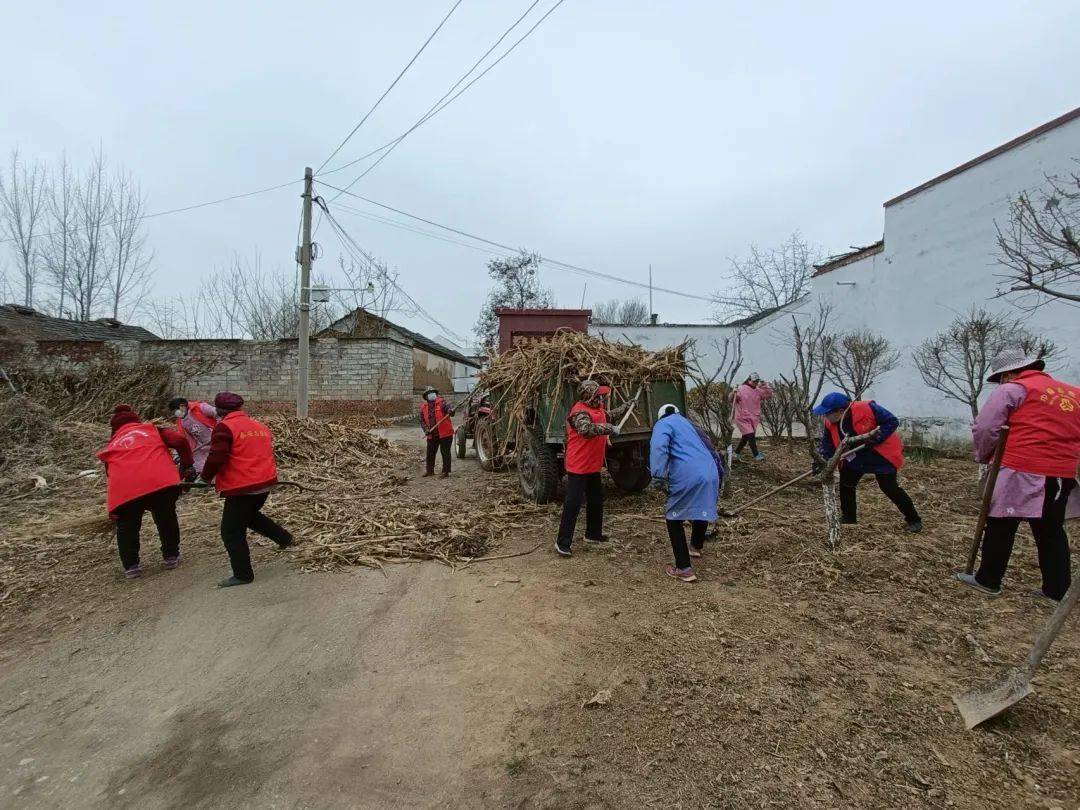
(615, 430)
(199, 482)
(189, 474)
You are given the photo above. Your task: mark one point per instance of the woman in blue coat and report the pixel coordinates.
(678, 454)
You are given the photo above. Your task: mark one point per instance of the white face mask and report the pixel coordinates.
(431, 397)
(180, 413)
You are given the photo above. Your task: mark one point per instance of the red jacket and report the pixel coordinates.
(241, 459)
(430, 414)
(1044, 432)
(137, 462)
(863, 421)
(585, 455)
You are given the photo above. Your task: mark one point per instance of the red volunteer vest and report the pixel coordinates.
(1044, 432)
(251, 462)
(446, 429)
(194, 408)
(585, 455)
(863, 421)
(139, 463)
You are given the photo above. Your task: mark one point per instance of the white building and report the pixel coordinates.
(936, 259)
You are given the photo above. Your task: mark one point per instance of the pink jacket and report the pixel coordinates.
(748, 401)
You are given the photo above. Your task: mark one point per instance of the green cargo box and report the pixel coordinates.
(537, 445)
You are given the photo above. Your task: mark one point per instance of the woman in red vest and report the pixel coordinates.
(241, 465)
(883, 459)
(1037, 481)
(143, 478)
(587, 429)
(438, 429)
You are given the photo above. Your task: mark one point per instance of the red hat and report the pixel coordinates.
(228, 401)
(122, 414)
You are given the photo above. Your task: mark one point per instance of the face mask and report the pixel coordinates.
(431, 397)
(180, 413)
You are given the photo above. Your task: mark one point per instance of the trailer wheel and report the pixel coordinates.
(538, 468)
(462, 442)
(485, 446)
(629, 471)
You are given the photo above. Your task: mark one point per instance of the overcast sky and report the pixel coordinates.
(620, 133)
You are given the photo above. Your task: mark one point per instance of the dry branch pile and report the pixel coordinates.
(519, 377)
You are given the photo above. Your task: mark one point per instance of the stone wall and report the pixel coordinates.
(345, 372)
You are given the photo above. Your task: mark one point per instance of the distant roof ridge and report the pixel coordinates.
(416, 337)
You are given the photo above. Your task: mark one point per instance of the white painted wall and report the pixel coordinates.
(938, 261)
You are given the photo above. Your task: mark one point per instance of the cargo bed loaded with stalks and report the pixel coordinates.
(533, 387)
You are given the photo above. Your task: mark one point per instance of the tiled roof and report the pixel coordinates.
(23, 323)
(427, 344)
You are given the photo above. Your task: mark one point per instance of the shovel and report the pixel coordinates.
(987, 495)
(1014, 684)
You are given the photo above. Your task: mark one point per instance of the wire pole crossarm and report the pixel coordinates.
(303, 371)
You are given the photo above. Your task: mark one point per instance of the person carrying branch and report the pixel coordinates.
(883, 458)
(196, 420)
(438, 430)
(747, 400)
(1037, 481)
(241, 466)
(588, 426)
(143, 478)
(682, 457)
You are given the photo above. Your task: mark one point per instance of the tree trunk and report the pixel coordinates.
(832, 513)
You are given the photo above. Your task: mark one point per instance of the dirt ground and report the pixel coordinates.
(787, 676)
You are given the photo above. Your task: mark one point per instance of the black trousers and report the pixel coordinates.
(439, 446)
(587, 488)
(889, 484)
(677, 534)
(749, 438)
(1050, 540)
(162, 507)
(243, 512)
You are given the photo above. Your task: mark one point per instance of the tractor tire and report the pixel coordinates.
(462, 442)
(538, 468)
(629, 474)
(485, 446)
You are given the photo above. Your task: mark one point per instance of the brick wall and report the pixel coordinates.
(345, 372)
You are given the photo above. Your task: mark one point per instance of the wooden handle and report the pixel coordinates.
(987, 495)
(1053, 627)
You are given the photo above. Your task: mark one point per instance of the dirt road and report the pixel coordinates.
(304, 690)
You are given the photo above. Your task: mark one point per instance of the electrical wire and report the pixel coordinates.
(175, 210)
(430, 111)
(446, 104)
(386, 92)
(573, 268)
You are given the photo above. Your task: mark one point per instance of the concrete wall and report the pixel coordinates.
(345, 373)
(938, 260)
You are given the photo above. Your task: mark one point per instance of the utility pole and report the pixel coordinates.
(652, 312)
(303, 371)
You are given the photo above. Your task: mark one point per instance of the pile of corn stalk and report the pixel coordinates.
(518, 378)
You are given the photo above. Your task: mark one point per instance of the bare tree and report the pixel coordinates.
(517, 286)
(780, 411)
(371, 287)
(710, 396)
(860, 359)
(767, 278)
(956, 361)
(58, 248)
(628, 312)
(90, 240)
(1039, 246)
(22, 205)
(129, 272)
(813, 345)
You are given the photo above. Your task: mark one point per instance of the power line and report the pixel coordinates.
(554, 262)
(386, 92)
(432, 109)
(354, 248)
(177, 210)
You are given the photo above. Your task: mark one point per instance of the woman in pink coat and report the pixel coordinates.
(748, 398)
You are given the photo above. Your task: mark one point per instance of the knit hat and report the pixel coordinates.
(228, 401)
(754, 377)
(1013, 360)
(588, 389)
(122, 414)
(836, 401)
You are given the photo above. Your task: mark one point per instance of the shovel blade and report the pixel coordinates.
(993, 698)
